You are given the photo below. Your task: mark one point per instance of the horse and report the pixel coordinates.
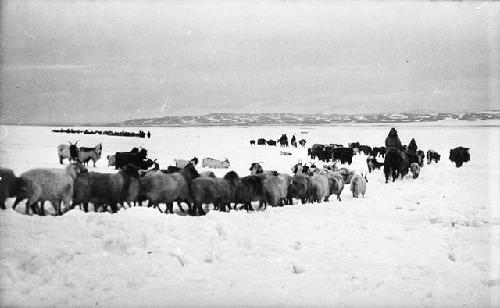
(395, 164)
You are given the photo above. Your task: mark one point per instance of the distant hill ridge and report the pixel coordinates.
(256, 119)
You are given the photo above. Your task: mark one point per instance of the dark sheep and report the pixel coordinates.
(9, 185)
(248, 189)
(159, 187)
(106, 189)
(300, 188)
(219, 192)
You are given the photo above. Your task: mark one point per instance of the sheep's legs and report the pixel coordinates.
(42, 208)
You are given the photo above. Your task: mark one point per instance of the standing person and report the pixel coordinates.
(149, 134)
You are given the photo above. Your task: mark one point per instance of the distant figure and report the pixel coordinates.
(149, 134)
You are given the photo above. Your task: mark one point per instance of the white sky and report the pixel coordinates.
(107, 61)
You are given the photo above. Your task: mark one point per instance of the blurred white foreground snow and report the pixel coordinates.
(434, 241)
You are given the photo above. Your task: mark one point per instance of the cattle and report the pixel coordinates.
(252, 142)
(134, 157)
(353, 145)
(219, 192)
(69, 152)
(358, 185)
(283, 140)
(87, 154)
(106, 189)
(261, 141)
(459, 156)
(271, 142)
(433, 155)
(343, 154)
(302, 142)
(365, 149)
(316, 150)
(415, 170)
(54, 185)
(9, 185)
(215, 163)
(373, 164)
(378, 150)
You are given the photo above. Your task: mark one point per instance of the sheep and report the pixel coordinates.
(300, 188)
(208, 173)
(9, 185)
(181, 163)
(358, 185)
(248, 189)
(54, 185)
(159, 187)
(256, 168)
(220, 192)
(103, 189)
(215, 163)
(276, 189)
(335, 182)
(415, 170)
(320, 188)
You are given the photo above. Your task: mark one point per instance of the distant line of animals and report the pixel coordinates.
(283, 141)
(139, 134)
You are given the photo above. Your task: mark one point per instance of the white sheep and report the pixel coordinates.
(358, 185)
(54, 185)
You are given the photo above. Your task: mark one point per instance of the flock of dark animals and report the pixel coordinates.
(140, 179)
(139, 134)
(282, 141)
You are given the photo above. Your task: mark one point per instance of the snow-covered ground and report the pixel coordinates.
(434, 241)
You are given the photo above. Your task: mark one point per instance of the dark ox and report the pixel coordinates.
(459, 156)
(137, 159)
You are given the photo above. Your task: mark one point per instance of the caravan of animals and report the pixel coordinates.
(140, 179)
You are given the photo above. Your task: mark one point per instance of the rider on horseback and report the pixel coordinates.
(392, 142)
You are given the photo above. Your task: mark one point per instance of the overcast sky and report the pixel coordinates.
(108, 61)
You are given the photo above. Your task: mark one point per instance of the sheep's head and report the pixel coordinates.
(74, 169)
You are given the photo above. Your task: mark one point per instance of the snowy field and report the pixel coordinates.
(434, 241)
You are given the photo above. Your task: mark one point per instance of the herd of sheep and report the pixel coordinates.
(76, 186)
